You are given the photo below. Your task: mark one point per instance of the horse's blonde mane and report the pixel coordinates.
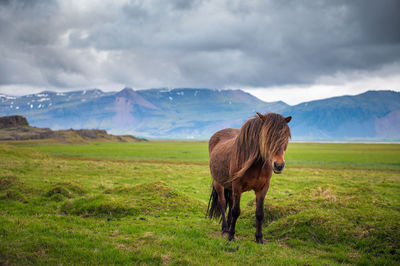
(259, 140)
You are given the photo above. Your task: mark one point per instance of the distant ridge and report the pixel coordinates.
(190, 113)
(15, 128)
(373, 115)
(13, 121)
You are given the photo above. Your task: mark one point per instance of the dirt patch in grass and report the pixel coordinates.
(323, 194)
(8, 181)
(166, 260)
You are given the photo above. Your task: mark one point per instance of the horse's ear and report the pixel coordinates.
(261, 117)
(287, 119)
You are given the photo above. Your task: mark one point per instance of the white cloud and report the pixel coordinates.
(328, 87)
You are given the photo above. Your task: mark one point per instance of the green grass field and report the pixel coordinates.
(144, 203)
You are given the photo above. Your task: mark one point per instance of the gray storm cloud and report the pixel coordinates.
(68, 44)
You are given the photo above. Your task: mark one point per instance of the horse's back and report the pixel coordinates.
(221, 136)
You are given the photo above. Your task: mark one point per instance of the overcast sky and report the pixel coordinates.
(288, 50)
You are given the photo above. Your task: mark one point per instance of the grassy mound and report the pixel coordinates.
(322, 226)
(337, 228)
(275, 212)
(279, 208)
(98, 206)
(63, 190)
(10, 188)
(272, 211)
(144, 199)
(335, 217)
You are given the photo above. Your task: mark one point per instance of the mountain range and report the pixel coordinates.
(198, 113)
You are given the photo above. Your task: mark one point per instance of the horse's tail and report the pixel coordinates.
(213, 210)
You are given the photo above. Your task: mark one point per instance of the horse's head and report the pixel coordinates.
(274, 139)
(278, 160)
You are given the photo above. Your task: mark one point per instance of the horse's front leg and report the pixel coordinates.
(236, 194)
(230, 205)
(260, 196)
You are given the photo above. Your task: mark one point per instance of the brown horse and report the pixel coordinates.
(243, 160)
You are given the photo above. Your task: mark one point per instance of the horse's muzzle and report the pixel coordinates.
(278, 168)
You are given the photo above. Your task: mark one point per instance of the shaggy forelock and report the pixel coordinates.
(275, 134)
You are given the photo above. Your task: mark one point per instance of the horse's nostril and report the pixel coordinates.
(279, 167)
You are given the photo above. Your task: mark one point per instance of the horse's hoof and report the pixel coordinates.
(231, 237)
(259, 241)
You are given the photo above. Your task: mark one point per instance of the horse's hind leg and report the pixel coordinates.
(221, 205)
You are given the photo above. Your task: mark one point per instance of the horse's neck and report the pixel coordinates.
(248, 159)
